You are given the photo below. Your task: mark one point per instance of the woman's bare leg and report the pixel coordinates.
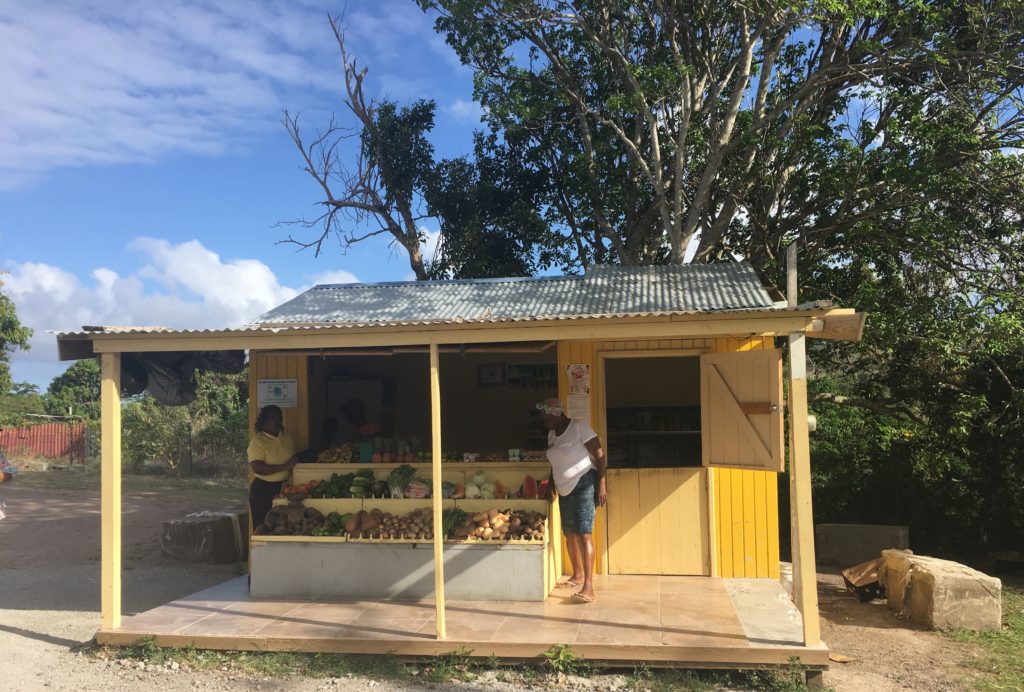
(586, 547)
(572, 544)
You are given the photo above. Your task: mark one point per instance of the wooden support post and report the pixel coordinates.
(791, 286)
(110, 490)
(435, 421)
(805, 583)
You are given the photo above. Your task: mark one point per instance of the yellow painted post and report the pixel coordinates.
(110, 490)
(804, 571)
(435, 422)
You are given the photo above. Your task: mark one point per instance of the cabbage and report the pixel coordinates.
(486, 494)
(479, 478)
(472, 491)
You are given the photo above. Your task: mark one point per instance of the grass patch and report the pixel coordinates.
(789, 679)
(456, 665)
(264, 663)
(562, 659)
(1003, 659)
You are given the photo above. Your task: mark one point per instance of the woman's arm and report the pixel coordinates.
(264, 469)
(593, 446)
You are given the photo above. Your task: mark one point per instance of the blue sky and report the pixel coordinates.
(143, 164)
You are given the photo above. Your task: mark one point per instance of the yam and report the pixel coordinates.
(491, 513)
(482, 516)
(487, 533)
(352, 524)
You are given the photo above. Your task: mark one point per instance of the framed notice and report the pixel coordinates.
(283, 393)
(490, 374)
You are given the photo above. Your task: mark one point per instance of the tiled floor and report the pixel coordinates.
(652, 618)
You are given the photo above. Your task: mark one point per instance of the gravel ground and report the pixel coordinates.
(49, 608)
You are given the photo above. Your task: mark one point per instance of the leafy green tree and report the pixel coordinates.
(489, 207)
(18, 408)
(76, 391)
(738, 127)
(197, 437)
(13, 336)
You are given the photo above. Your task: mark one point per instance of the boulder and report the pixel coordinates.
(940, 593)
(843, 545)
(212, 537)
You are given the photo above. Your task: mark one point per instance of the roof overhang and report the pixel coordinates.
(817, 322)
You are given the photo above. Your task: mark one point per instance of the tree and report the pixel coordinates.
(489, 208)
(76, 391)
(383, 188)
(13, 336)
(739, 126)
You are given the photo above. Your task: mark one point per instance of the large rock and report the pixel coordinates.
(214, 537)
(843, 545)
(941, 593)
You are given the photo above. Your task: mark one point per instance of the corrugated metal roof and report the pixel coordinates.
(604, 291)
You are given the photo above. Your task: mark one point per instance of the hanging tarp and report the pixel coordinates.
(170, 376)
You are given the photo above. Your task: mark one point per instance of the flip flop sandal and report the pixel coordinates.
(582, 597)
(567, 584)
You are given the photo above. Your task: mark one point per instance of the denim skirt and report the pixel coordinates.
(578, 507)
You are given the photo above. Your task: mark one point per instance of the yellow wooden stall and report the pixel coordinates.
(711, 521)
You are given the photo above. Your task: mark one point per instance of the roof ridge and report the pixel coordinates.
(452, 282)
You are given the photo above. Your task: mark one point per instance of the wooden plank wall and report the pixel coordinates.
(744, 503)
(276, 367)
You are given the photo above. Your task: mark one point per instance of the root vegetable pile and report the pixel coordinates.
(497, 525)
(293, 519)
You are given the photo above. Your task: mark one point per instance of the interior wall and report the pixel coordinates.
(642, 382)
(476, 417)
(410, 373)
(491, 418)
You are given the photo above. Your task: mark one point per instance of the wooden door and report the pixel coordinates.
(658, 521)
(741, 410)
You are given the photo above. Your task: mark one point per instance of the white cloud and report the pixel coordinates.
(338, 276)
(88, 83)
(465, 111)
(185, 286)
(92, 83)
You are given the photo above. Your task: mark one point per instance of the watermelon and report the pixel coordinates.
(529, 490)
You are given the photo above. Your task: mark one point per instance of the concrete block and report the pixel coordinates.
(326, 570)
(941, 593)
(843, 545)
(212, 537)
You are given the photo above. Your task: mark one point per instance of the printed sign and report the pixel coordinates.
(579, 378)
(283, 393)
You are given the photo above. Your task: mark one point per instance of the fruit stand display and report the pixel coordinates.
(366, 530)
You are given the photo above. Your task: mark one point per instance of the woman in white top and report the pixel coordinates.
(578, 471)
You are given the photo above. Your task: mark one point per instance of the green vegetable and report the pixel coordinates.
(401, 476)
(450, 518)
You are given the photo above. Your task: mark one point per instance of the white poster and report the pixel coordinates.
(283, 393)
(578, 407)
(579, 378)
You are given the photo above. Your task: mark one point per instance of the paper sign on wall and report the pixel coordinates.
(577, 406)
(579, 378)
(283, 393)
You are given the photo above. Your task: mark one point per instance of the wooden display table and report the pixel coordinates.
(329, 567)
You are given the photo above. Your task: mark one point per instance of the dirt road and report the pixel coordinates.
(49, 601)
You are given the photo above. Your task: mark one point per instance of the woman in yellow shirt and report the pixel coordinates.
(271, 457)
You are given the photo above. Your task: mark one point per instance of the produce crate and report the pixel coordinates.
(328, 505)
(401, 506)
(474, 506)
(299, 539)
